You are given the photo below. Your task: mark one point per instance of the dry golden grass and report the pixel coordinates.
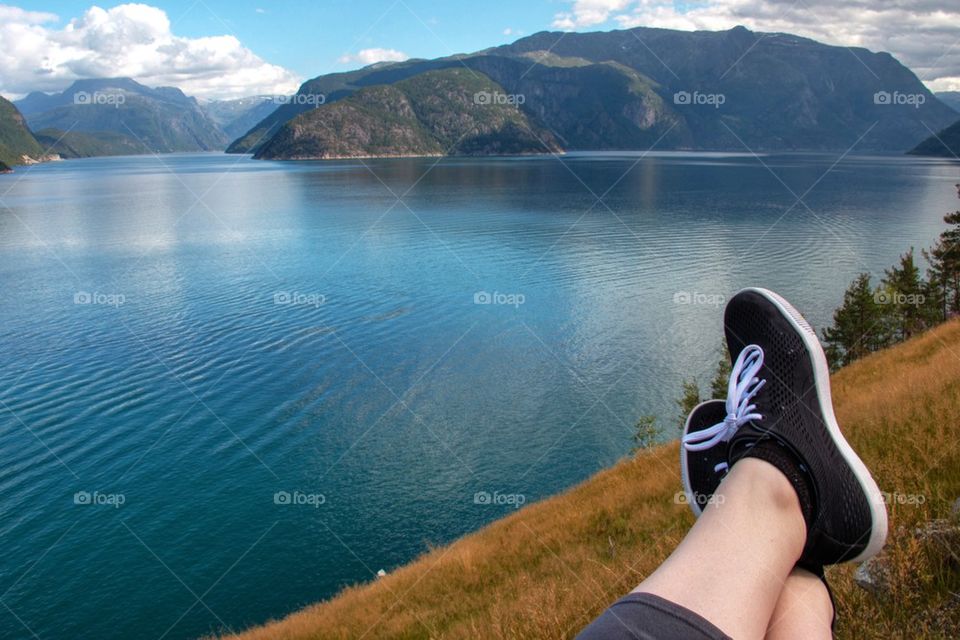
(549, 569)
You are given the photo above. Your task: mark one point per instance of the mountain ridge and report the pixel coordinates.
(160, 120)
(746, 91)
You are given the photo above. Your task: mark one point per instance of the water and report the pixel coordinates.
(190, 335)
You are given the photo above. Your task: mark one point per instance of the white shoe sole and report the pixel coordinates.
(684, 467)
(878, 507)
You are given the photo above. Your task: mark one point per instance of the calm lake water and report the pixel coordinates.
(268, 381)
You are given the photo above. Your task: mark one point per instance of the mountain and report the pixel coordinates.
(16, 141)
(779, 91)
(950, 98)
(236, 117)
(159, 120)
(450, 111)
(316, 92)
(76, 144)
(725, 90)
(944, 144)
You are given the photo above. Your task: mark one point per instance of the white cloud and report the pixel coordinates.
(588, 13)
(369, 56)
(923, 34)
(132, 40)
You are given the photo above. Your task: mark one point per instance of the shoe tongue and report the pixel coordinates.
(741, 443)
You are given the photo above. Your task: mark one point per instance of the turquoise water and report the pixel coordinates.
(188, 337)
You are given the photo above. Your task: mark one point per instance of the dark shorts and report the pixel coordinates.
(644, 616)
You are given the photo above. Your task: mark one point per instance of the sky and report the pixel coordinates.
(233, 48)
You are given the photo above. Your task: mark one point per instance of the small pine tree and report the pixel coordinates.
(689, 399)
(944, 272)
(903, 294)
(721, 379)
(646, 433)
(859, 325)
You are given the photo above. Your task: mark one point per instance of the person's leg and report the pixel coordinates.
(804, 609)
(794, 492)
(741, 550)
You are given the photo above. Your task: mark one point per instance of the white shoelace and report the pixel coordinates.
(744, 385)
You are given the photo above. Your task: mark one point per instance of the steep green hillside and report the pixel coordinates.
(453, 111)
(16, 140)
(322, 90)
(76, 144)
(944, 144)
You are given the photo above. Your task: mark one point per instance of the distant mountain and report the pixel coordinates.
(950, 98)
(450, 111)
(944, 144)
(727, 90)
(159, 120)
(236, 117)
(76, 144)
(16, 141)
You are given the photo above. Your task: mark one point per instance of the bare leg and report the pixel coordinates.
(733, 564)
(804, 609)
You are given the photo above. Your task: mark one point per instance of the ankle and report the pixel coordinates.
(769, 487)
(785, 461)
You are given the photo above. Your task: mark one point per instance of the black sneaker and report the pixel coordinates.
(844, 509)
(704, 449)
(703, 470)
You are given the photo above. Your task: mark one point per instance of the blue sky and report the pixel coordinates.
(234, 48)
(309, 36)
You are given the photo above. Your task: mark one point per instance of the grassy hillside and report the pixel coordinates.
(15, 138)
(547, 570)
